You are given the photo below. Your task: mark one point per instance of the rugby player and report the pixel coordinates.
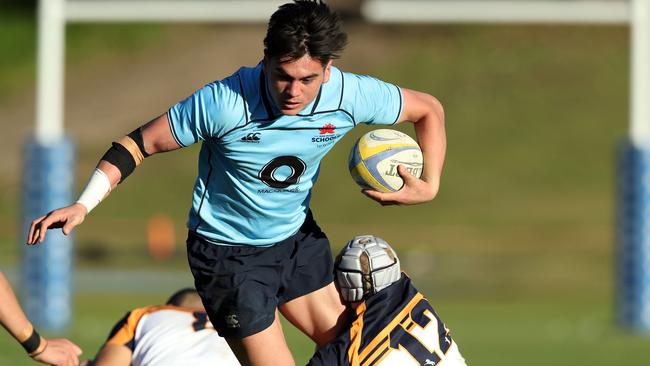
(392, 323)
(253, 245)
(177, 333)
(58, 352)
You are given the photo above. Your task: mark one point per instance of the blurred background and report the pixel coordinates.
(517, 252)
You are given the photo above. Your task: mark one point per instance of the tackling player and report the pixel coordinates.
(58, 352)
(393, 323)
(177, 333)
(253, 245)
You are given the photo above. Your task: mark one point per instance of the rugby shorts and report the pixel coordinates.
(242, 286)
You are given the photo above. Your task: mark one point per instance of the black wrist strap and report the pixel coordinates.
(31, 344)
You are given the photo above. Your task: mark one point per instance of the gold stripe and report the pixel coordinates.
(396, 320)
(355, 336)
(133, 148)
(382, 347)
(368, 151)
(378, 361)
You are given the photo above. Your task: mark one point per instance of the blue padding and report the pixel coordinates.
(48, 177)
(633, 252)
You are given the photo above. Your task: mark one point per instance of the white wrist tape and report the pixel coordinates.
(96, 189)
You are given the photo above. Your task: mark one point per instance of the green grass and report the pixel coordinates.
(517, 250)
(507, 331)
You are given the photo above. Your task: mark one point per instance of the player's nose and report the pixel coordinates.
(293, 90)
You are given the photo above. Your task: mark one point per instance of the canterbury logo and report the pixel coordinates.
(232, 321)
(252, 137)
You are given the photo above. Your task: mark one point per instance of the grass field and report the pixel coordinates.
(512, 332)
(516, 252)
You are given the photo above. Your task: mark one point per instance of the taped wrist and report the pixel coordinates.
(32, 343)
(97, 188)
(127, 153)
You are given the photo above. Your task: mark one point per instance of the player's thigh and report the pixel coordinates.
(321, 315)
(267, 347)
(308, 298)
(237, 286)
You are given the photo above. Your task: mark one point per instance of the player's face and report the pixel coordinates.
(293, 84)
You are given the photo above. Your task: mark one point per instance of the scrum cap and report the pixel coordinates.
(365, 266)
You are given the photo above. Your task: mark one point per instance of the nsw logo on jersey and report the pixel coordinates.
(327, 128)
(326, 135)
(253, 137)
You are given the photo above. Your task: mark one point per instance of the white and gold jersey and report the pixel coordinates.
(171, 335)
(395, 327)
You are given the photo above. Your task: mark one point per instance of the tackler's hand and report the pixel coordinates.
(59, 352)
(66, 218)
(413, 191)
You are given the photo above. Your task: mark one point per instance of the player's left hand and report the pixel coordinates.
(413, 191)
(59, 352)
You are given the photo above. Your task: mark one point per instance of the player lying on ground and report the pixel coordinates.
(393, 324)
(253, 246)
(177, 333)
(59, 352)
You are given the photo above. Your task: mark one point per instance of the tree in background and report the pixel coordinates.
(18, 4)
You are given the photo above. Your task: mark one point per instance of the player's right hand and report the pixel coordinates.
(66, 218)
(59, 352)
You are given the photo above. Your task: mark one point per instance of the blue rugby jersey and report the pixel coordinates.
(257, 166)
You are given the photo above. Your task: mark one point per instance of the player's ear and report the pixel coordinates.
(326, 75)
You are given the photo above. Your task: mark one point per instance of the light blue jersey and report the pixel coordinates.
(257, 166)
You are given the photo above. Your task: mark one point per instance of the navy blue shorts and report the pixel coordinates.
(242, 286)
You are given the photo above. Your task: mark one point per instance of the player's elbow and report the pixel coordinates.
(428, 107)
(435, 106)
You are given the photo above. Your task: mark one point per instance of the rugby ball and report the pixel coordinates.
(375, 156)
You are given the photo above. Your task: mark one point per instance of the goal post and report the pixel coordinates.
(633, 218)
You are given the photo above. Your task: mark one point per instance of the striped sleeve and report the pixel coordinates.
(123, 333)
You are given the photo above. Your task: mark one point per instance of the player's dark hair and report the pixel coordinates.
(179, 296)
(305, 27)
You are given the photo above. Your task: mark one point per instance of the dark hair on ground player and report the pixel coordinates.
(305, 27)
(182, 296)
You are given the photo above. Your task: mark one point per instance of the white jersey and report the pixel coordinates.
(171, 335)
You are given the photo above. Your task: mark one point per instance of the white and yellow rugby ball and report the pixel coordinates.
(375, 156)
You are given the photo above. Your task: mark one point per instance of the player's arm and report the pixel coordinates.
(119, 161)
(13, 319)
(428, 116)
(113, 355)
